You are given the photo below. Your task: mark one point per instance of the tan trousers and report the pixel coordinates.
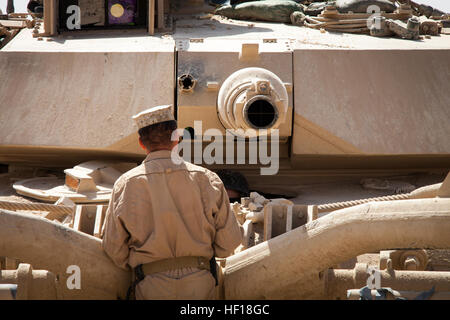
(181, 284)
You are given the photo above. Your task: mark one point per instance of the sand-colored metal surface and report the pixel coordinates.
(31, 284)
(50, 246)
(435, 190)
(67, 96)
(254, 273)
(87, 182)
(51, 189)
(310, 246)
(344, 99)
(199, 58)
(371, 102)
(338, 281)
(307, 251)
(352, 107)
(303, 38)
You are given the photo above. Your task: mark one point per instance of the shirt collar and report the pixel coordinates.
(160, 154)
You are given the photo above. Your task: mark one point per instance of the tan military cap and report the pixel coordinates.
(154, 115)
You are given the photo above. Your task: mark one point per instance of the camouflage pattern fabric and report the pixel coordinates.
(315, 8)
(267, 10)
(360, 6)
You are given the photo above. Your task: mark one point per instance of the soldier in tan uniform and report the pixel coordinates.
(167, 220)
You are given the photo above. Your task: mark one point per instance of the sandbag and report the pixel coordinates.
(233, 2)
(429, 11)
(344, 6)
(315, 8)
(360, 6)
(298, 18)
(267, 10)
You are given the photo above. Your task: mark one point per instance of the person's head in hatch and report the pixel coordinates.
(235, 184)
(156, 126)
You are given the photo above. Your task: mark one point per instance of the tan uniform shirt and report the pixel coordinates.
(160, 210)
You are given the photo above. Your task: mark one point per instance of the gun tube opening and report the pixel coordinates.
(252, 98)
(260, 113)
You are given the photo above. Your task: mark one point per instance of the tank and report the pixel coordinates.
(342, 138)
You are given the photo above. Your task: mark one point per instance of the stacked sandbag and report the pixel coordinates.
(355, 6)
(234, 2)
(429, 11)
(362, 6)
(315, 8)
(267, 10)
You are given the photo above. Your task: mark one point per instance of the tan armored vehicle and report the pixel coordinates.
(343, 138)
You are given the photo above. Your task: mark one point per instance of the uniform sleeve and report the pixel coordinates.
(228, 232)
(115, 234)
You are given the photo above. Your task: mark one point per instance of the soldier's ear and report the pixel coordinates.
(143, 146)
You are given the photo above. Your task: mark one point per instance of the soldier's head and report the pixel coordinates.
(156, 126)
(158, 136)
